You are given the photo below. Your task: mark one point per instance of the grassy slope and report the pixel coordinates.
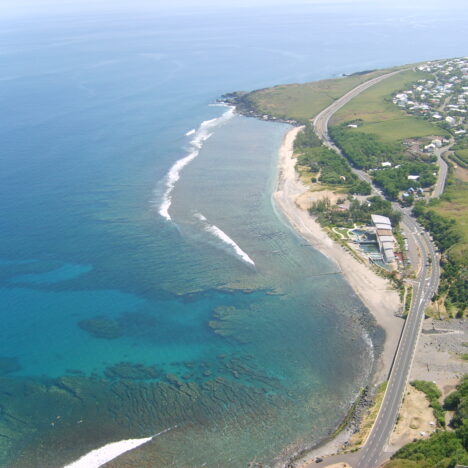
(304, 101)
(463, 155)
(454, 205)
(381, 117)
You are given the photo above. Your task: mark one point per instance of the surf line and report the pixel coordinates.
(196, 144)
(103, 455)
(212, 229)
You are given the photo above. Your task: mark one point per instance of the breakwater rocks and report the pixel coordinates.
(351, 424)
(359, 409)
(245, 105)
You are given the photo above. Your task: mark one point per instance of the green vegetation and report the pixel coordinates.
(441, 228)
(443, 449)
(381, 130)
(460, 149)
(380, 133)
(447, 220)
(401, 129)
(301, 102)
(380, 117)
(364, 150)
(358, 213)
(367, 151)
(409, 298)
(331, 166)
(460, 157)
(458, 401)
(394, 180)
(453, 205)
(307, 138)
(432, 394)
(328, 166)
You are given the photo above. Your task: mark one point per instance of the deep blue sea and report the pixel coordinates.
(137, 295)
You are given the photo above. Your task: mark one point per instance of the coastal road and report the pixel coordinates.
(443, 168)
(322, 119)
(372, 454)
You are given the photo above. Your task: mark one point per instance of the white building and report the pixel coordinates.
(429, 148)
(450, 120)
(385, 239)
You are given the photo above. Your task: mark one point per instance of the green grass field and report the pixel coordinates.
(305, 101)
(401, 128)
(463, 153)
(381, 117)
(454, 205)
(461, 157)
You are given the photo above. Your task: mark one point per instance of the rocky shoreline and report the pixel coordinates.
(244, 105)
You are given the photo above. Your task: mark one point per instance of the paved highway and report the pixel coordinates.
(443, 168)
(322, 119)
(372, 454)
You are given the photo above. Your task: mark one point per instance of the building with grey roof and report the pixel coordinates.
(385, 239)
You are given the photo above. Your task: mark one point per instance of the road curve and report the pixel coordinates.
(322, 119)
(443, 169)
(372, 454)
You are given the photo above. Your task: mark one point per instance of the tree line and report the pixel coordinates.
(328, 166)
(454, 278)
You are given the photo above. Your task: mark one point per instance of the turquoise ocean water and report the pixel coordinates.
(122, 315)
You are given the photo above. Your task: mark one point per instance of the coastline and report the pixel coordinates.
(375, 292)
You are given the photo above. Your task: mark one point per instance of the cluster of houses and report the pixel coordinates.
(385, 239)
(443, 98)
(413, 192)
(434, 144)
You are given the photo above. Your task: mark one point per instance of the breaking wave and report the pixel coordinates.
(200, 136)
(103, 455)
(212, 229)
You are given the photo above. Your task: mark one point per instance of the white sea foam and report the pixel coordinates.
(103, 455)
(200, 136)
(212, 229)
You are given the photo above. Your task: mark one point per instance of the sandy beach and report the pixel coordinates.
(375, 292)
